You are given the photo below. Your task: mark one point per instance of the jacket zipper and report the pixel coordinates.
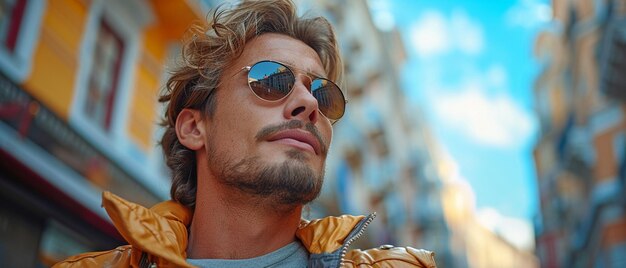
(344, 250)
(144, 261)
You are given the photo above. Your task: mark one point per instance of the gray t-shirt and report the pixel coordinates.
(291, 255)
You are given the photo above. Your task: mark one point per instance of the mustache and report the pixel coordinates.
(293, 124)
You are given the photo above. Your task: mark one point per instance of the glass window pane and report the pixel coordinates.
(11, 14)
(107, 56)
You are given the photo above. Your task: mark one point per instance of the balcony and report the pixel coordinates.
(35, 137)
(613, 61)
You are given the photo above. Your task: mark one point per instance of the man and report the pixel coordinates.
(248, 126)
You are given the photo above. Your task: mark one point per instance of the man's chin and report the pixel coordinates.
(304, 184)
(289, 182)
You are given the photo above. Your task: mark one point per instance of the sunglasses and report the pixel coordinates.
(274, 81)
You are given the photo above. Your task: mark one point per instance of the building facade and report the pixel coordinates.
(78, 86)
(474, 244)
(580, 157)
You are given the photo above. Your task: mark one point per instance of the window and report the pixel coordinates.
(107, 64)
(104, 77)
(19, 29)
(11, 14)
(614, 64)
(106, 67)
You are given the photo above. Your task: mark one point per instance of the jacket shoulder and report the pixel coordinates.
(118, 257)
(159, 232)
(390, 256)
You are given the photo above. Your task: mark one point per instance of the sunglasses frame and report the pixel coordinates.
(291, 69)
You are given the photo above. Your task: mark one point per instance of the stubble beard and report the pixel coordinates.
(280, 185)
(287, 184)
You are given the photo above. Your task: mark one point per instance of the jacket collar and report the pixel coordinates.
(161, 231)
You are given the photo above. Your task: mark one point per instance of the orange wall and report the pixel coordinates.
(172, 18)
(606, 164)
(142, 111)
(614, 233)
(56, 59)
(56, 55)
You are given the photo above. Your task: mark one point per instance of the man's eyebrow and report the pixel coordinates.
(309, 72)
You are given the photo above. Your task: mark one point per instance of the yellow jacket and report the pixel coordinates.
(158, 238)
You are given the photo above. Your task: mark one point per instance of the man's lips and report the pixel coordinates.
(298, 138)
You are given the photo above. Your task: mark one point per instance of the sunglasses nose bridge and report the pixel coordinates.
(305, 84)
(305, 79)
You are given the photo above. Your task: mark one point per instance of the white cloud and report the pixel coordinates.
(490, 120)
(529, 13)
(468, 34)
(496, 76)
(434, 34)
(518, 232)
(429, 34)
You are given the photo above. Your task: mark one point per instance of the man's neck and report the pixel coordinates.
(233, 227)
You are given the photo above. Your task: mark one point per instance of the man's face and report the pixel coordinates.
(270, 149)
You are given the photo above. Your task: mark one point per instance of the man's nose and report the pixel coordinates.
(301, 104)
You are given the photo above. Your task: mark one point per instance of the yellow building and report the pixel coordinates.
(473, 244)
(78, 86)
(580, 157)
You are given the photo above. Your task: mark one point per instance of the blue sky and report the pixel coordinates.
(470, 68)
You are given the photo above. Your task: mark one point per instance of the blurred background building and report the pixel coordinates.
(78, 112)
(79, 81)
(381, 158)
(580, 159)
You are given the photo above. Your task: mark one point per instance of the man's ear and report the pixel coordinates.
(190, 129)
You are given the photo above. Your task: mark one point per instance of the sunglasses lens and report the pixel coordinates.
(329, 97)
(270, 80)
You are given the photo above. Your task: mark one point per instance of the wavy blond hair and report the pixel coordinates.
(207, 52)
